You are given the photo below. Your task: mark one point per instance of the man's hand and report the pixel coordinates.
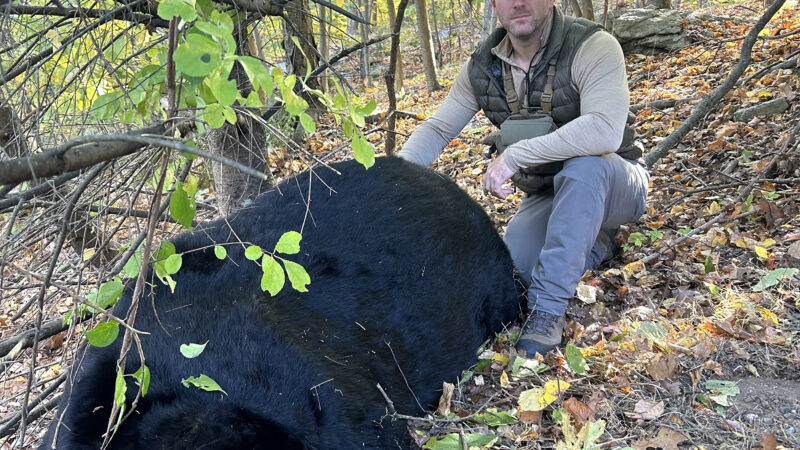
(496, 174)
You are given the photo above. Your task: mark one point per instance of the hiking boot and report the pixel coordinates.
(541, 333)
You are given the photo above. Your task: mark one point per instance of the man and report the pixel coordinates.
(574, 71)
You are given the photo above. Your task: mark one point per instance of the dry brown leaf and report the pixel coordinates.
(702, 349)
(770, 211)
(666, 439)
(646, 410)
(445, 399)
(579, 411)
(794, 250)
(768, 441)
(663, 367)
(530, 416)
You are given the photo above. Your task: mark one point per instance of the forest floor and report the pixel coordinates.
(698, 347)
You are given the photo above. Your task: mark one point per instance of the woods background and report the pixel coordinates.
(123, 123)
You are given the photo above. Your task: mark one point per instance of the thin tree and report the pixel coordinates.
(426, 47)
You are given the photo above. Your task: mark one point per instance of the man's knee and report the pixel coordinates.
(588, 168)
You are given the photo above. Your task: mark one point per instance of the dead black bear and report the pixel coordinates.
(408, 278)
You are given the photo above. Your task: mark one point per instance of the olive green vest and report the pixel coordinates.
(566, 36)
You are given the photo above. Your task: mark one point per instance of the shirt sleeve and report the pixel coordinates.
(433, 135)
(598, 73)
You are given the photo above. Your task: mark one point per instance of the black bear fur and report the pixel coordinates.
(408, 278)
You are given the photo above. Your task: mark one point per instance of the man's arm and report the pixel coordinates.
(433, 135)
(598, 72)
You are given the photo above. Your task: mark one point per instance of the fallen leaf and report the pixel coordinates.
(646, 410)
(504, 379)
(662, 367)
(768, 441)
(587, 294)
(445, 400)
(632, 269)
(702, 349)
(794, 250)
(539, 398)
(666, 439)
(530, 416)
(581, 412)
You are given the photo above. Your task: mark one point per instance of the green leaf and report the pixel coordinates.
(108, 294)
(368, 108)
(575, 360)
(494, 418)
(253, 252)
(293, 103)
(192, 350)
(363, 152)
(307, 122)
(182, 206)
(119, 388)
(173, 263)
(198, 56)
(144, 382)
(636, 239)
(203, 382)
(339, 101)
(273, 278)
(289, 243)
(103, 334)
(721, 391)
(134, 264)
(709, 265)
(106, 106)
(297, 275)
(223, 89)
(258, 74)
(220, 252)
(772, 277)
(213, 115)
(184, 9)
(452, 441)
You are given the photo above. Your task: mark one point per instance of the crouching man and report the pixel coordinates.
(557, 89)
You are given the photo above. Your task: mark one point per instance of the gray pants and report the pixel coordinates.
(557, 236)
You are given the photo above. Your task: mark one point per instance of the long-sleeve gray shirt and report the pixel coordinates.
(598, 74)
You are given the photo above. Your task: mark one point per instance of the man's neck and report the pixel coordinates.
(524, 49)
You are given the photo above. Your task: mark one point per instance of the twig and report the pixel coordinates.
(742, 195)
(710, 101)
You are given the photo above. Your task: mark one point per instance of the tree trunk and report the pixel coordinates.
(323, 14)
(365, 72)
(605, 14)
(587, 9)
(297, 23)
(437, 39)
(398, 72)
(426, 47)
(488, 20)
(394, 59)
(12, 140)
(242, 142)
(576, 8)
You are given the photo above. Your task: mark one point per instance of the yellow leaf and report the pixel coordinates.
(767, 314)
(741, 243)
(88, 253)
(632, 269)
(767, 243)
(504, 379)
(539, 398)
(500, 359)
(761, 252)
(530, 400)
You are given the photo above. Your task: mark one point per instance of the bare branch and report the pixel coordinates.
(87, 152)
(710, 101)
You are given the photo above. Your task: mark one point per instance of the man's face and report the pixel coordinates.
(522, 18)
